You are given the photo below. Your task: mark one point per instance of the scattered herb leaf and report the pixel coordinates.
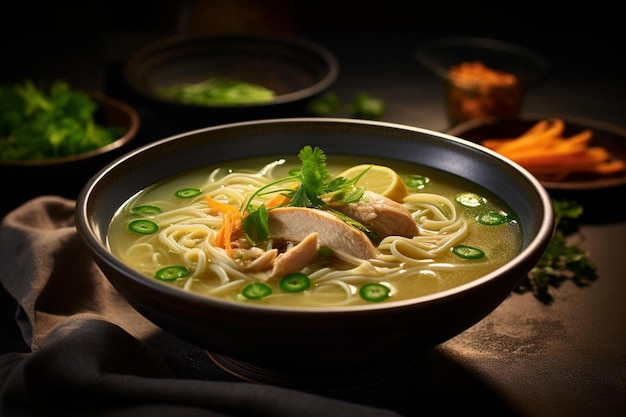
(327, 104)
(365, 106)
(362, 106)
(562, 260)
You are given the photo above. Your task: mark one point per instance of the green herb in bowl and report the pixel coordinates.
(217, 91)
(42, 124)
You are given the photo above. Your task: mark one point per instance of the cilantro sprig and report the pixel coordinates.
(313, 179)
(562, 260)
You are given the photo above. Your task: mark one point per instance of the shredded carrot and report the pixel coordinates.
(231, 226)
(281, 199)
(547, 154)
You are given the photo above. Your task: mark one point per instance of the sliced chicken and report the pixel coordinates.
(263, 262)
(381, 214)
(296, 223)
(296, 258)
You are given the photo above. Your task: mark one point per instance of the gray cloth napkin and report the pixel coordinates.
(89, 354)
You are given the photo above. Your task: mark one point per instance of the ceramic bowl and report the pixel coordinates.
(592, 191)
(65, 176)
(297, 70)
(327, 344)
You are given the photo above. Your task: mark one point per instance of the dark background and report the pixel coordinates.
(213, 15)
(77, 40)
(85, 42)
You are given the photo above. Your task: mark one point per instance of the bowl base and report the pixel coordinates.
(338, 380)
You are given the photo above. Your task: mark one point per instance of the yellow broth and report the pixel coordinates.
(500, 243)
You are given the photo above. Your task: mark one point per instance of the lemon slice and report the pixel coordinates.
(379, 179)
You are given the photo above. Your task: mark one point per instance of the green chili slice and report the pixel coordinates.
(295, 282)
(143, 226)
(468, 252)
(492, 218)
(187, 192)
(374, 292)
(170, 273)
(146, 210)
(470, 199)
(256, 291)
(416, 181)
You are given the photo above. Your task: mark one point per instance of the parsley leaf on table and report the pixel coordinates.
(362, 106)
(562, 260)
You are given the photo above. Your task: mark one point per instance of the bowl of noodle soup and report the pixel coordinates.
(216, 236)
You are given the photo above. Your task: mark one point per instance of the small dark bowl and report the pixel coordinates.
(324, 345)
(66, 176)
(296, 69)
(591, 191)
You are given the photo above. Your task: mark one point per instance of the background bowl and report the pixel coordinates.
(336, 343)
(296, 69)
(465, 102)
(66, 176)
(591, 191)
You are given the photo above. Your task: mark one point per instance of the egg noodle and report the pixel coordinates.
(187, 234)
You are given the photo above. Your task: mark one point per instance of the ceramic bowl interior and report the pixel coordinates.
(296, 69)
(282, 344)
(67, 175)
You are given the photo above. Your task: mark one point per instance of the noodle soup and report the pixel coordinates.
(176, 231)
